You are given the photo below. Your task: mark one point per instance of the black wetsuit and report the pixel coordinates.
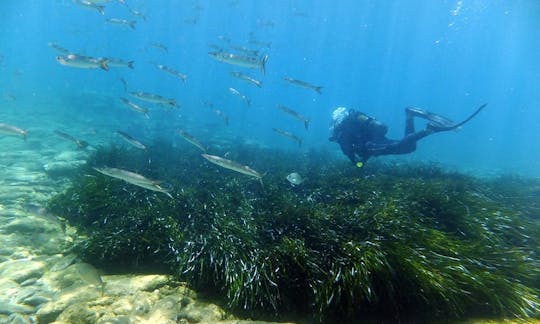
(361, 137)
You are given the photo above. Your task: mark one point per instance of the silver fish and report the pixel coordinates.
(247, 78)
(191, 139)
(83, 62)
(241, 96)
(80, 143)
(123, 22)
(222, 115)
(135, 12)
(252, 62)
(159, 46)
(153, 98)
(12, 130)
(295, 179)
(128, 138)
(134, 179)
(172, 71)
(296, 115)
(88, 4)
(288, 135)
(135, 107)
(232, 165)
(304, 84)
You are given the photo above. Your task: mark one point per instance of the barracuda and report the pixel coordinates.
(232, 165)
(252, 62)
(134, 179)
(296, 115)
(191, 139)
(83, 62)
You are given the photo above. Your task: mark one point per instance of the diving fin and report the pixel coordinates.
(438, 126)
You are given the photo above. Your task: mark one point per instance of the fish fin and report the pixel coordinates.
(132, 24)
(318, 89)
(104, 64)
(299, 142)
(263, 64)
(130, 64)
(306, 123)
(101, 9)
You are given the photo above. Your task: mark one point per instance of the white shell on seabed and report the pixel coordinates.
(295, 179)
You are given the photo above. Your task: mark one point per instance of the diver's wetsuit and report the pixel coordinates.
(363, 136)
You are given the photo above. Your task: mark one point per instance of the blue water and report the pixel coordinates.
(376, 56)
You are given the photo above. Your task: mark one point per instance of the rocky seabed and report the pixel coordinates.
(41, 283)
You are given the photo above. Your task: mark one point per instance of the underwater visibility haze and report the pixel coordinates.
(191, 138)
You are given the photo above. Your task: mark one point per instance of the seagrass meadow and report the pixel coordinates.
(397, 242)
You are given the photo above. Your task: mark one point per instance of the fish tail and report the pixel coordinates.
(318, 89)
(130, 64)
(132, 24)
(101, 9)
(227, 121)
(299, 142)
(263, 64)
(306, 123)
(104, 64)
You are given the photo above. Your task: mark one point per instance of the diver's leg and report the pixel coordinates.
(404, 146)
(436, 122)
(409, 122)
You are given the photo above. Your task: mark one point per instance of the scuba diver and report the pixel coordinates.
(361, 136)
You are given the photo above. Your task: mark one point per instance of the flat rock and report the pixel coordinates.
(7, 307)
(127, 284)
(75, 275)
(76, 294)
(79, 313)
(21, 270)
(32, 224)
(202, 312)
